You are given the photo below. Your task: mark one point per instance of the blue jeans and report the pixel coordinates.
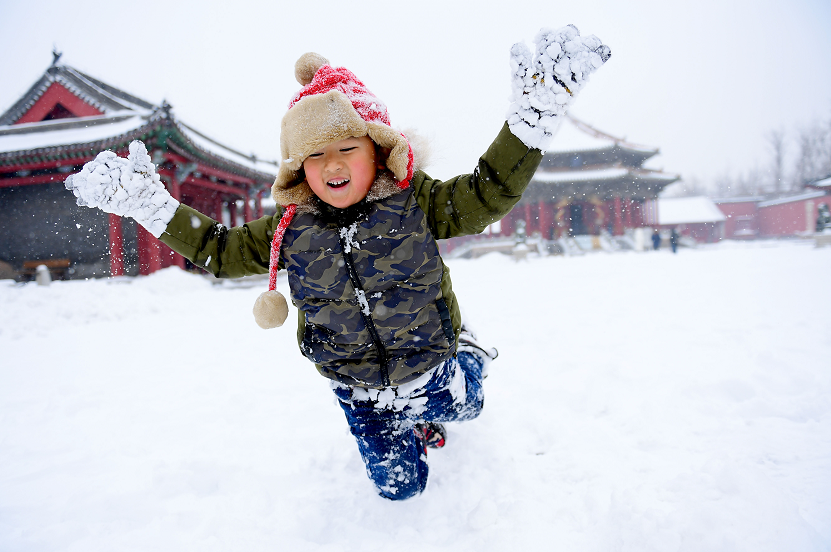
(382, 421)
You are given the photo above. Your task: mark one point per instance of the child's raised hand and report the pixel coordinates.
(544, 86)
(126, 187)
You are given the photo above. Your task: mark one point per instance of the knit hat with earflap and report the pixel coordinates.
(332, 105)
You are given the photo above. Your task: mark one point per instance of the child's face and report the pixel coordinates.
(342, 172)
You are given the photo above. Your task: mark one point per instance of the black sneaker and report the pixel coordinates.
(432, 435)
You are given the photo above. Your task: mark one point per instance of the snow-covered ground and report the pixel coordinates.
(641, 402)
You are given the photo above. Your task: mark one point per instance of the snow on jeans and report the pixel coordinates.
(382, 421)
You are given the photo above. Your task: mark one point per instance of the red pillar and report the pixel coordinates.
(560, 220)
(630, 203)
(116, 246)
(530, 223)
(618, 216)
(638, 214)
(218, 208)
(247, 211)
(545, 219)
(175, 189)
(150, 256)
(258, 203)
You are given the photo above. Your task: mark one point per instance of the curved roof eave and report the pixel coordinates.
(598, 140)
(610, 175)
(132, 132)
(68, 136)
(216, 150)
(187, 147)
(26, 100)
(101, 96)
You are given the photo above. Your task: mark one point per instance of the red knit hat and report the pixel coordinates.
(332, 105)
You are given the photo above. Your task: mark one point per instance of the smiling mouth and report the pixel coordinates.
(337, 183)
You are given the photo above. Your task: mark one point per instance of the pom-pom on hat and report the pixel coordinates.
(332, 105)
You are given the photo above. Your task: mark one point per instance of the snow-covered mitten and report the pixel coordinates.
(126, 187)
(544, 87)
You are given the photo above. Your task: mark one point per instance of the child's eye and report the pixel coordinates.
(317, 154)
(344, 150)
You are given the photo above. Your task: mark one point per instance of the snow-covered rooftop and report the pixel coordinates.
(791, 199)
(63, 132)
(741, 199)
(575, 135)
(578, 176)
(688, 210)
(611, 173)
(210, 145)
(83, 130)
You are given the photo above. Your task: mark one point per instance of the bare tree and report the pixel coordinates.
(812, 161)
(750, 183)
(693, 187)
(776, 141)
(687, 187)
(814, 158)
(725, 185)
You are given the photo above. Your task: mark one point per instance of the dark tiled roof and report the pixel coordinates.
(96, 93)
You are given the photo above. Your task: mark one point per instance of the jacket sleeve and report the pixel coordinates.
(467, 204)
(224, 252)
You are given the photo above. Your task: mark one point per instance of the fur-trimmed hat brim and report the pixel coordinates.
(317, 121)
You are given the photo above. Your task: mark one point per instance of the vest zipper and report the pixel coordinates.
(370, 324)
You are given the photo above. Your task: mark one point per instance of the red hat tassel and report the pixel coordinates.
(271, 308)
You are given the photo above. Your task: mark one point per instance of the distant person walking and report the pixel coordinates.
(673, 240)
(656, 240)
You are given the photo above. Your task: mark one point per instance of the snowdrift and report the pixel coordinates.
(640, 402)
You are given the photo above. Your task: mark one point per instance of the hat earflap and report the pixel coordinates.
(271, 308)
(400, 158)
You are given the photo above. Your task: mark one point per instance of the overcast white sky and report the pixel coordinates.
(705, 81)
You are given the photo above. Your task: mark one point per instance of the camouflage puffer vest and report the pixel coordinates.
(369, 287)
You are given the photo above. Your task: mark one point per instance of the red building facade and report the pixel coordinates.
(786, 216)
(62, 122)
(741, 217)
(790, 216)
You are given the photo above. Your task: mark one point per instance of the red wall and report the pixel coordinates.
(789, 219)
(742, 220)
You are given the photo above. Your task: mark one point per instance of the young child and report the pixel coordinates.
(357, 234)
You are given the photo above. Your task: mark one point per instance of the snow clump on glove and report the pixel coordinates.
(544, 88)
(125, 187)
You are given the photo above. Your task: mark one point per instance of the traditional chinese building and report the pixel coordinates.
(64, 120)
(588, 182)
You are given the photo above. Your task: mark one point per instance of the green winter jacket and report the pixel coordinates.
(463, 205)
